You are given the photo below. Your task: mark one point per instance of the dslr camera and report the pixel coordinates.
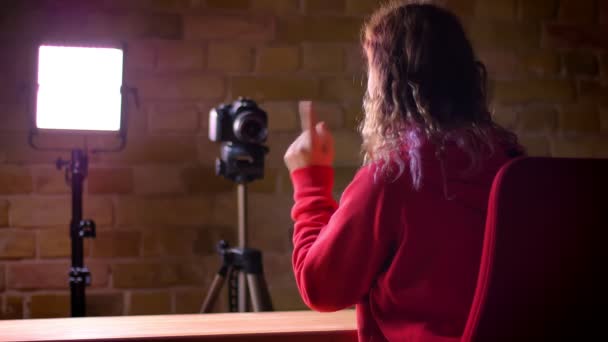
(242, 129)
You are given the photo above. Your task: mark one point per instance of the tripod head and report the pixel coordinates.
(241, 163)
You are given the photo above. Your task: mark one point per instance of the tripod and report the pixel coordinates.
(246, 262)
(79, 276)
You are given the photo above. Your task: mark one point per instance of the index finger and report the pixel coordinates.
(308, 118)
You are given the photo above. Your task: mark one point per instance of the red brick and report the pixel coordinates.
(278, 145)
(99, 209)
(538, 9)
(230, 57)
(268, 184)
(173, 55)
(190, 301)
(207, 238)
(361, 7)
(184, 87)
(314, 6)
(4, 207)
(174, 117)
(593, 92)
(50, 305)
(228, 4)
(581, 63)
(496, 10)
(44, 275)
(580, 147)
(577, 11)
(223, 27)
(579, 118)
(116, 244)
(14, 117)
(277, 59)
(141, 55)
(542, 62)
(110, 181)
(276, 6)
(50, 181)
(208, 150)
(353, 116)
(355, 61)
(142, 275)
(17, 150)
(343, 177)
(348, 147)
(537, 146)
(114, 25)
(154, 275)
(154, 149)
(604, 66)
(575, 36)
(55, 243)
(331, 113)
(501, 63)
(537, 119)
(40, 211)
(150, 303)
(224, 216)
(160, 5)
(533, 90)
(168, 243)
(15, 180)
(511, 35)
(319, 29)
(105, 304)
(267, 212)
(16, 244)
(158, 180)
(2, 282)
(13, 308)
(202, 179)
(275, 88)
(505, 116)
(282, 116)
(174, 211)
(278, 269)
(343, 89)
(323, 58)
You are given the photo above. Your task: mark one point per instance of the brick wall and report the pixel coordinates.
(159, 207)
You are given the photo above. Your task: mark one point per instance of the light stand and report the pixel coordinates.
(76, 171)
(79, 89)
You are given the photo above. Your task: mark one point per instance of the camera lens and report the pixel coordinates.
(250, 127)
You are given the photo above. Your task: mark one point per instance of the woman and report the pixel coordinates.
(404, 243)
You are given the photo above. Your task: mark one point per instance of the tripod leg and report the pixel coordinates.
(214, 289)
(242, 293)
(260, 297)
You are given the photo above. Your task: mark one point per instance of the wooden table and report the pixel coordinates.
(294, 326)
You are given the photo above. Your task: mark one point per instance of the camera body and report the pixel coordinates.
(242, 129)
(240, 122)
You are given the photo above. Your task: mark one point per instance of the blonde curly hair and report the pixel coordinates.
(426, 85)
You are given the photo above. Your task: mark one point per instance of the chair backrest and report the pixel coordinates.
(544, 252)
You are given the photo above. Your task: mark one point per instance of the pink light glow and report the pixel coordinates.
(79, 88)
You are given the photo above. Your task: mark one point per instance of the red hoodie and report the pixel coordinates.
(407, 258)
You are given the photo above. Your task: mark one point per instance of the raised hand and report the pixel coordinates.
(314, 146)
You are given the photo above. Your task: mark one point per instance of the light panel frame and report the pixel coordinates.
(73, 91)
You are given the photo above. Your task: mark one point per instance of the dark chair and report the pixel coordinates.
(543, 261)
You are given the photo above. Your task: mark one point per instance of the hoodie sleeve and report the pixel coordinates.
(339, 251)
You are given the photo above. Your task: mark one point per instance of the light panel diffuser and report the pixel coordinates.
(79, 88)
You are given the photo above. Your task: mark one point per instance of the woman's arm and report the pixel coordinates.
(339, 251)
